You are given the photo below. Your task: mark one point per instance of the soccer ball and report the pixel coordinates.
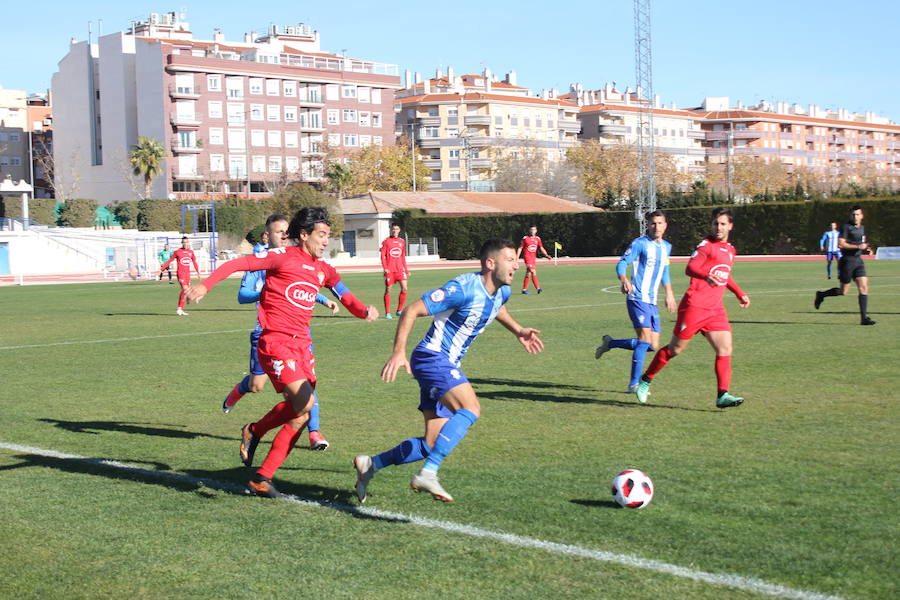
(632, 489)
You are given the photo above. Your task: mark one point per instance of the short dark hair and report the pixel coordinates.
(275, 218)
(492, 246)
(305, 219)
(718, 212)
(656, 213)
(185, 238)
(856, 208)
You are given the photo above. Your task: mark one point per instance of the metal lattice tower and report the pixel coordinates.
(646, 144)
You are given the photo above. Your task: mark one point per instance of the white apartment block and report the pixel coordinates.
(14, 139)
(463, 123)
(233, 117)
(612, 117)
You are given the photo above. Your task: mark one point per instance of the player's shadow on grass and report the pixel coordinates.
(596, 503)
(843, 312)
(139, 314)
(503, 395)
(95, 427)
(735, 322)
(521, 383)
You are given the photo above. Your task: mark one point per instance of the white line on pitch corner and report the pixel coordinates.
(749, 584)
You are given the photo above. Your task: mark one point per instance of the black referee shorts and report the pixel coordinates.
(850, 268)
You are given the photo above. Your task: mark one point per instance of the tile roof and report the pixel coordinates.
(475, 96)
(461, 203)
(634, 108)
(767, 116)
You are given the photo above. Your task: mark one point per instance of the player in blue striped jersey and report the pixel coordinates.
(461, 308)
(650, 256)
(828, 244)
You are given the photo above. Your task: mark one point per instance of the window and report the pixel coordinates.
(16, 161)
(436, 154)
(349, 116)
(274, 164)
(256, 112)
(187, 165)
(184, 83)
(237, 166)
(453, 132)
(365, 140)
(452, 111)
(433, 111)
(187, 139)
(257, 137)
(453, 153)
(332, 92)
(364, 119)
(312, 119)
(274, 139)
(290, 139)
(236, 139)
(291, 164)
(235, 113)
(365, 94)
(436, 175)
(332, 116)
(376, 119)
(235, 87)
(431, 132)
(273, 112)
(377, 140)
(454, 175)
(290, 88)
(376, 96)
(256, 85)
(273, 87)
(290, 114)
(334, 139)
(214, 84)
(350, 139)
(215, 110)
(216, 162)
(348, 91)
(216, 136)
(258, 164)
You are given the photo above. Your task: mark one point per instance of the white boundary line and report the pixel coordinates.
(750, 584)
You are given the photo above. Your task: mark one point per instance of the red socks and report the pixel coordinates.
(281, 446)
(387, 304)
(280, 414)
(660, 360)
(527, 279)
(401, 301)
(534, 279)
(723, 372)
(181, 299)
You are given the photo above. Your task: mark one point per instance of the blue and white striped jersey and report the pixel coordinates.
(462, 308)
(650, 269)
(829, 240)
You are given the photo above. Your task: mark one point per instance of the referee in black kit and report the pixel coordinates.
(852, 243)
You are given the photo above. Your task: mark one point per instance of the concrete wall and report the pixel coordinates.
(151, 105)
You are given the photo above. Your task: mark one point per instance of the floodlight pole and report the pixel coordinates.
(646, 143)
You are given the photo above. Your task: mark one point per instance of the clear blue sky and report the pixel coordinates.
(832, 53)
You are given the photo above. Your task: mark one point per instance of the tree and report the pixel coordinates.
(78, 212)
(339, 177)
(300, 195)
(386, 169)
(608, 172)
(146, 160)
(528, 169)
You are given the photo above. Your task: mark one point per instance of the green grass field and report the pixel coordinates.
(796, 488)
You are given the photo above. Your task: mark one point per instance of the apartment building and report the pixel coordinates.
(234, 117)
(14, 135)
(462, 124)
(612, 117)
(828, 142)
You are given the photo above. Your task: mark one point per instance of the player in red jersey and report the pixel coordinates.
(702, 310)
(531, 243)
(294, 276)
(183, 257)
(393, 261)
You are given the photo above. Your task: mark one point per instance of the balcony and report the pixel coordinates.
(696, 135)
(179, 120)
(737, 134)
(178, 148)
(183, 92)
(313, 150)
(481, 163)
(428, 121)
(432, 163)
(429, 142)
(614, 130)
(192, 175)
(477, 120)
(481, 140)
(314, 102)
(569, 126)
(311, 128)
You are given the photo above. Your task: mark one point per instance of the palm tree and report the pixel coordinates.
(339, 175)
(145, 158)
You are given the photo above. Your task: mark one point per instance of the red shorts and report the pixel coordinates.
(530, 266)
(692, 319)
(286, 359)
(393, 277)
(183, 278)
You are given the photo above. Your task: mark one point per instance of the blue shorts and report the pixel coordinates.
(832, 255)
(643, 314)
(255, 367)
(436, 376)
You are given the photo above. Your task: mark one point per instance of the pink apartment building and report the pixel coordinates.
(234, 117)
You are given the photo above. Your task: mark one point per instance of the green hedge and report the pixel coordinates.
(762, 228)
(78, 212)
(40, 210)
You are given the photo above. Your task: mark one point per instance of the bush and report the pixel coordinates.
(78, 212)
(40, 210)
(125, 213)
(159, 214)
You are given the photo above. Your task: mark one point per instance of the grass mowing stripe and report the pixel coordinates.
(749, 584)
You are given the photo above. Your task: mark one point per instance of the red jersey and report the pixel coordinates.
(184, 257)
(710, 259)
(293, 278)
(393, 255)
(530, 245)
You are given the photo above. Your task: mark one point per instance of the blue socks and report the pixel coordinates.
(450, 435)
(628, 344)
(313, 424)
(637, 361)
(244, 385)
(411, 450)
